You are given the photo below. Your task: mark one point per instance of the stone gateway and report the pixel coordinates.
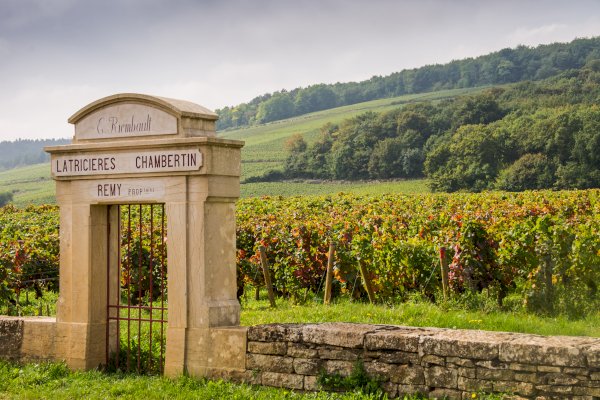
(134, 149)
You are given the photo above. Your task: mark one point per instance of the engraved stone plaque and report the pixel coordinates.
(126, 120)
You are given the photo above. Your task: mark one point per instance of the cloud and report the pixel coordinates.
(57, 56)
(540, 34)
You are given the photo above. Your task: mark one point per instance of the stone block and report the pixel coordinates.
(238, 376)
(337, 334)
(301, 350)
(593, 356)
(520, 388)
(441, 377)
(522, 367)
(491, 364)
(464, 344)
(11, 337)
(391, 389)
(307, 366)
(343, 368)
(547, 368)
(445, 394)
(527, 377)
(379, 370)
(495, 374)
(561, 379)
(399, 357)
(272, 348)
(553, 390)
(397, 338)
(269, 363)
(311, 384)
(408, 375)
(275, 333)
(575, 371)
(290, 381)
(467, 372)
(546, 350)
(474, 385)
(338, 353)
(432, 360)
(461, 362)
(412, 390)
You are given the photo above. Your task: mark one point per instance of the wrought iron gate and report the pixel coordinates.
(136, 289)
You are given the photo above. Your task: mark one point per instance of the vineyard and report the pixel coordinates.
(540, 250)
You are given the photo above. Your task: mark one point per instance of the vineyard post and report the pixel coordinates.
(444, 269)
(548, 269)
(267, 275)
(363, 272)
(329, 276)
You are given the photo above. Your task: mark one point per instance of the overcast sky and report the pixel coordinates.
(57, 56)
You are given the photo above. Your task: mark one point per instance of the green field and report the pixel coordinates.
(30, 185)
(33, 185)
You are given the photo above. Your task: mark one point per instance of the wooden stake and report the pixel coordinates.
(329, 276)
(444, 269)
(367, 283)
(266, 273)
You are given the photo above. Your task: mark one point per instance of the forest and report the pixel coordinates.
(26, 152)
(530, 135)
(505, 66)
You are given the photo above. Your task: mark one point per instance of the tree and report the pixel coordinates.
(471, 162)
(5, 198)
(532, 171)
(278, 107)
(295, 164)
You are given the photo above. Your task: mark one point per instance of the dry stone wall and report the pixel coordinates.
(435, 362)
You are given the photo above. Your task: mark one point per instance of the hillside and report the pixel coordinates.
(505, 66)
(30, 185)
(265, 144)
(530, 135)
(264, 150)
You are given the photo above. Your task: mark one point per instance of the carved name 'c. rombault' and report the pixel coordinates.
(113, 125)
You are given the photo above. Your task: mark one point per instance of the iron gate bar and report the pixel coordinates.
(140, 284)
(127, 268)
(162, 286)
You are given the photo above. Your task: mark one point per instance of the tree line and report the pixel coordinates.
(532, 135)
(505, 66)
(26, 152)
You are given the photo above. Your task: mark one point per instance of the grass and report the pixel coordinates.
(29, 305)
(55, 381)
(478, 312)
(471, 314)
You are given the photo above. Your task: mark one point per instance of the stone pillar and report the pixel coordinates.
(81, 308)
